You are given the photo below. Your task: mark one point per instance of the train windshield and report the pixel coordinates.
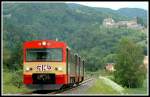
(53, 54)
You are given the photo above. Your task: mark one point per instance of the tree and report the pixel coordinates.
(129, 69)
(110, 58)
(81, 30)
(141, 21)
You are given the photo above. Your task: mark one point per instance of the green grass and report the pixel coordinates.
(9, 87)
(142, 90)
(100, 87)
(136, 91)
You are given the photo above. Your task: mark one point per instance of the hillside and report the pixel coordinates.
(133, 12)
(97, 12)
(120, 14)
(79, 26)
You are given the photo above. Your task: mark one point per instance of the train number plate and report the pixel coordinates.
(43, 67)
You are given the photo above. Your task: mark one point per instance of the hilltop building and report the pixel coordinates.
(109, 22)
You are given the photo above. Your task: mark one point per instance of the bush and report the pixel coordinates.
(129, 69)
(17, 78)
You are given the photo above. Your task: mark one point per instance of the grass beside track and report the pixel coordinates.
(99, 87)
(9, 88)
(102, 87)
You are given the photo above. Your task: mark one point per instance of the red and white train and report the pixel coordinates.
(50, 64)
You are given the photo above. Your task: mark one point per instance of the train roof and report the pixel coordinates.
(38, 43)
(43, 40)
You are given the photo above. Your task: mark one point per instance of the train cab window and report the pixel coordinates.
(53, 54)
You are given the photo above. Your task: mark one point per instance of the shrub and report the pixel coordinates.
(129, 71)
(17, 78)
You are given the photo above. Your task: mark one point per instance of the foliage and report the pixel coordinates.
(134, 12)
(111, 58)
(10, 86)
(17, 78)
(129, 67)
(80, 27)
(141, 21)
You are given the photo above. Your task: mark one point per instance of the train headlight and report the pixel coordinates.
(58, 68)
(28, 69)
(44, 43)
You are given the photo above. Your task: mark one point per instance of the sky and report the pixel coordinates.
(115, 5)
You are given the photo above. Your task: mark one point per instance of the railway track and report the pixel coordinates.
(58, 91)
(75, 87)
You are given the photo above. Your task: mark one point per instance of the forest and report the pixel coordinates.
(79, 26)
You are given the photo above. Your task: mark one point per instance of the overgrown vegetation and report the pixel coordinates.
(80, 27)
(12, 83)
(130, 71)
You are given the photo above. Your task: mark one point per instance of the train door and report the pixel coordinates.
(79, 70)
(68, 65)
(83, 62)
(76, 68)
(72, 68)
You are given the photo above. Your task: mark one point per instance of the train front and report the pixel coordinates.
(44, 65)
